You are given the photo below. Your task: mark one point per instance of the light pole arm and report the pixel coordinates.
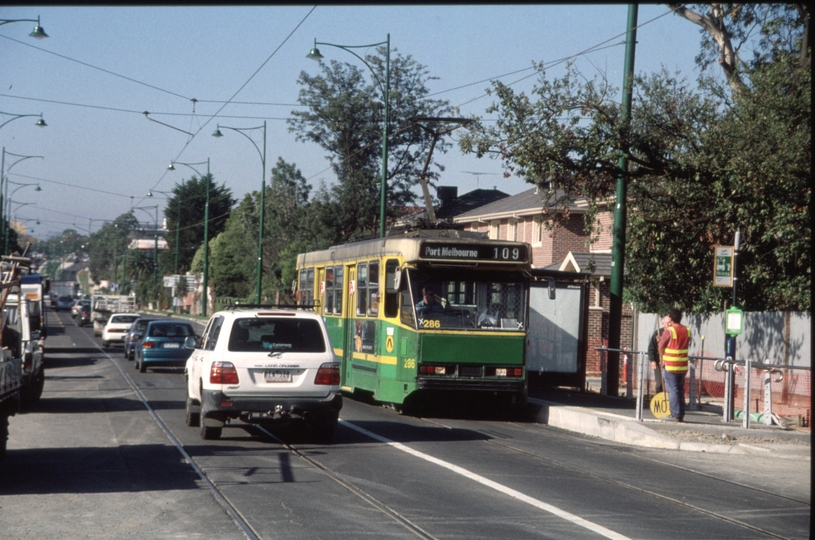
(18, 116)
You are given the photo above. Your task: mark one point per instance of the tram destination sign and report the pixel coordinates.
(515, 252)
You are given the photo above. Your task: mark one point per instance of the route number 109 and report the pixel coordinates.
(506, 254)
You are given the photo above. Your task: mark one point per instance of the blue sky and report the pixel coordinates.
(103, 66)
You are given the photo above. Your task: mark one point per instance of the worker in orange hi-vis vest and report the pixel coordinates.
(673, 349)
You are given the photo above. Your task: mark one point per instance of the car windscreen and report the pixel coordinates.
(170, 330)
(273, 334)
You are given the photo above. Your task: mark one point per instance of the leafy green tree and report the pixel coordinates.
(233, 253)
(108, 246)
(188, 202)
(701, 166)
(344, 115)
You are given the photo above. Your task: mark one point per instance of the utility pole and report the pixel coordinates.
(615, 314)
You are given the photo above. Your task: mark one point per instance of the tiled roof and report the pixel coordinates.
(470, 201)
(528, 202)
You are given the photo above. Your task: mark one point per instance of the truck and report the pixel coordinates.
(22, 373)
(62, 288)
(104, 305)
(33, 289)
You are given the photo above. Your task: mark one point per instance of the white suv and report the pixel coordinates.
(261, 365)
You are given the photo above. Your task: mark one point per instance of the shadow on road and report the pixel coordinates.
(95, 470)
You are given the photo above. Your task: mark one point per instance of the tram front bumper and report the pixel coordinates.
(471, 385)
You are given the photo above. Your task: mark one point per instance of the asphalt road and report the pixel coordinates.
(92, 460)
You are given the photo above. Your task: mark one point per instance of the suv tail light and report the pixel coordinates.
(329, 373)
(148, 345)
(223, 373)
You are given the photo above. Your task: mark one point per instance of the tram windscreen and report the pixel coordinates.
(471, 302)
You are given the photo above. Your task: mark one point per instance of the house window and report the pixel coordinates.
(512, 230)
(494, 227)
(537, 231)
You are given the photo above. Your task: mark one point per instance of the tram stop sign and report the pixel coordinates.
(733, 321)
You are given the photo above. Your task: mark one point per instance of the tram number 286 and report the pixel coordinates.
(506, 254)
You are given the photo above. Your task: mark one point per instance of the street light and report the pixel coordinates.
(155, 241)
(37, 33)
(204, 294)
(218, 133)
(4, 184)
(40, 122)
(314, 54)
(8, 206)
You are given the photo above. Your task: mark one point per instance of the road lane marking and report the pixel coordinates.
(577, 520)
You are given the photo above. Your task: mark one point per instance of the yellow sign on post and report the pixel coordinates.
(723, 266)
(660, 406)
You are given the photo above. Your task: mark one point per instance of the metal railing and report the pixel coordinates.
(727, 365)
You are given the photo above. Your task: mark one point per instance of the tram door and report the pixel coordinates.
(350, 331)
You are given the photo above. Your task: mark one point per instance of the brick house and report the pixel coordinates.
(520, 217)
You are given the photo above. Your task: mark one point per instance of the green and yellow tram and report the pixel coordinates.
(424, 312)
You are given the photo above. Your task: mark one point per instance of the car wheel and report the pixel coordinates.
(32, 392)
(142, 367)
(105, 343)
(3, 434)
(209, 433)
(193, 415)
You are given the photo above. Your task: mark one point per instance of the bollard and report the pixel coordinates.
(692, 376)
(640, 376)
(727, 407)
(603, 374)
(747, 369)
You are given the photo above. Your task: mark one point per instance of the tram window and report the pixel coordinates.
(329, 290)
(406, 315)
(307, 286)
(373, 289)
(391, 307)
(338, 290)
(362, 288)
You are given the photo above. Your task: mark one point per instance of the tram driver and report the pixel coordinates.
(429, 303)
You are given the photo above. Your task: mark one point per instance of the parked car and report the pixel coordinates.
(162, 344)
(263, 366)
(84, 316)
(64, 303)
(117, 326)
(78, 305)
(134, 335)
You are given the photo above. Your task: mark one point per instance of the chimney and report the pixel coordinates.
(446, 194)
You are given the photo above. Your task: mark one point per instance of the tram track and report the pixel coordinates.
(219, 496)
(593, 474)
(232, 510)
(354, 489)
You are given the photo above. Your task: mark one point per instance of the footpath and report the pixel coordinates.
(614, 419)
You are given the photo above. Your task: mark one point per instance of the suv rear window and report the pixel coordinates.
(276, 335)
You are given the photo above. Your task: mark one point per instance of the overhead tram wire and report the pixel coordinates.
(231, 99)
(238, 91)
(585, 51)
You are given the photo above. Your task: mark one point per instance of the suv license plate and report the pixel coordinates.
(171, 345)
(277, 376)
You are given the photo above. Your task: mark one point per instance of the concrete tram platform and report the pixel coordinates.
(614, 419)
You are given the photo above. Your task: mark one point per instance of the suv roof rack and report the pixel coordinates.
(233, 307)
